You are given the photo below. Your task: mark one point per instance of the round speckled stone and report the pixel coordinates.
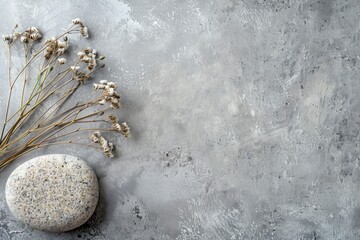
(53, 192)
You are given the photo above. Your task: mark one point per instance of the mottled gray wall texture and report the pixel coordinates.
(245, 117)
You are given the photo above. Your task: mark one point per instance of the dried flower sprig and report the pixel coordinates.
(55, 47)
(123, 128)
(88, 56)
(83, 29)
(109, 94)
(106, 147)
(43, 118)
(30, 35)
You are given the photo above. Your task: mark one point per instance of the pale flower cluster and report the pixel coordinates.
(30, 35)
(83, 29)
(88, 56)
(9, 39)
(123, 128)
(55, 47)
(61, 61)
(78, 74)
(110, 94)
(105, 146)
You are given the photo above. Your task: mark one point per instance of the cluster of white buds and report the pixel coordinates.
(110, 94)
(78, 74)
(88, 56)
(9, 39)
(123, 128)
(105, 146)
(30, 35)
(83, 29)
(55, 47)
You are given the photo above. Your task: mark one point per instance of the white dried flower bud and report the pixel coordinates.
(111, 91)
(38, 36)
(74, 68)
(84, 32)
(24, 39)
(63, 44)
(125, 129)
(81, 54)
(61, 61)
(16, 35)
(112, 118)
(87, 50)
(76, 21)
(102, 101)
(117, 95)
(116, 126)
(33, 29)
(115, 103)
(7, 39)
(60, 51)
(98, 86)
(86, 59)
(111, 84)
(114, 100)
(34, 36)
(95, 137)
(111, 146)
(91, 66)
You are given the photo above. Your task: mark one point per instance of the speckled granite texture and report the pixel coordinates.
(54, 193)
(245, 118)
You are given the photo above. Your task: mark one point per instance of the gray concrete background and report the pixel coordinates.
(245, 118)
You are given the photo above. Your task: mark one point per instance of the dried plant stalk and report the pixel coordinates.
(41, 121)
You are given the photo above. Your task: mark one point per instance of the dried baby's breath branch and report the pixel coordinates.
(43, 116)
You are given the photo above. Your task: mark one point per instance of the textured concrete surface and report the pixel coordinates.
(245, 118)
